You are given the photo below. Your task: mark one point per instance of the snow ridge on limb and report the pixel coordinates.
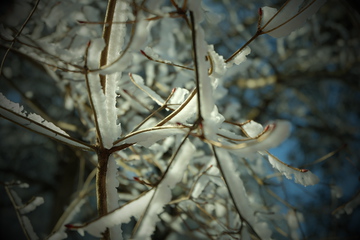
(104, 104)
(22, 209)
(104, 100)
(271, 136)
(152, 202)
(301, 176)
(15, 112)
(121, 215)
(208, 110)
(162, 195)
(139, 82)
(238, 193)
(288, 18)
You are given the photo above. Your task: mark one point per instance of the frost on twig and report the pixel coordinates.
(106, 53)
(163, 195)
(239, 57)
(71, 210)
(208, 111)
(148, 205)
(348, 207)
(15, 113)
(288, 18)
(301, 176)
(148, 137)
(22, 209)
(119, 216)
(237, 191)
(139, 82)
(104, 103)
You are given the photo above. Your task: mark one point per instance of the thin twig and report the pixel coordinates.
(18, 34)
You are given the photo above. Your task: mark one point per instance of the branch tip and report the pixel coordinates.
(69, 226)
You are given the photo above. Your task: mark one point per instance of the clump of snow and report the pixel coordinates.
(218, 62)
(15, 113)
(253, 128)
(289, 18)
(32, 205)
(305, 178)
(240, 57)
(139, 82)
(29, 228)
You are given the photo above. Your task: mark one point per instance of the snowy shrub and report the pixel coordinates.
(168, 152)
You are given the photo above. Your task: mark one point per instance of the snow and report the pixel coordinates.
(61, 232)
(237, 189)
(37, 201)
(218, 62)
(351, 205)
(106, 116)
(212, 119)
(162, 194)
(240, 57)
(148, 137)
(15, 113)
(179, 96)
(96, 46)
(29, 228)
(150, 52)
(188, 110)
(288, 18)
(253, 129)
(139, 82)
(304, 178)
(276, 132)
(117, 217)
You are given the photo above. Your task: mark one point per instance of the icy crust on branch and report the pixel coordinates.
(148, 137)
(112, 192)
(209, 112)
(151, 53)
(162, 195)
(75, 207)
(105, 109)
(111, 184)
(115, 62)
(188, 111)
(304, 177)
(147, 207)
(204, 180)
(253, 128)
(31, 206)
(349, 207)
(274, 134)
(289, 17)
(237, 189)
(301, 176)
(117, 217)
(15, 113)
(179, 96)
(139, 82)
(118, 31)
(29, 228)
(240, 57)
(217, 62)
(17, 109)
(26, 208)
